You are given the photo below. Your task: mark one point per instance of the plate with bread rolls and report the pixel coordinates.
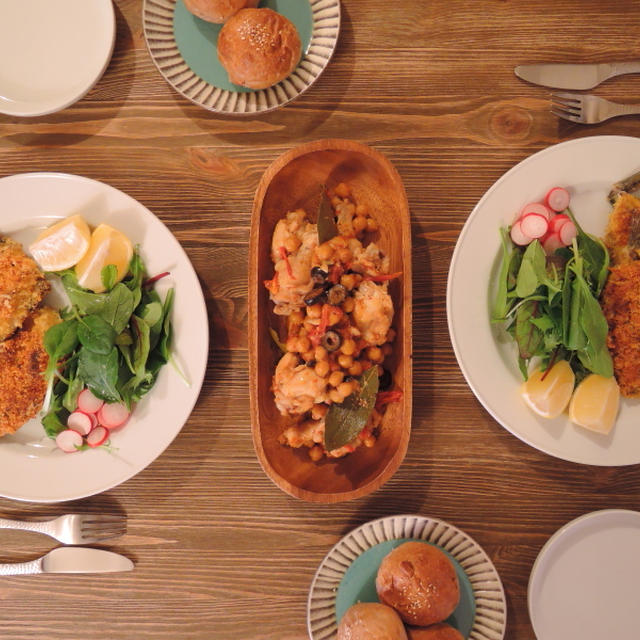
(241, 57)
(406, 577)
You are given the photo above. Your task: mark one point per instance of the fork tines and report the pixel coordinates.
(566, 105)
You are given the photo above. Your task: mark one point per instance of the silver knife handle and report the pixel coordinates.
(21, 568)
(39, 527)
(620, 68)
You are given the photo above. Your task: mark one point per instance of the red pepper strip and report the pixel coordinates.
(386, 397)
(324, 319)
(272, 285)
(150, 281)
(284, 256)
(383, 277)
(335, 271)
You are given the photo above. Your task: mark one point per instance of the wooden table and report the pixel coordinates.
(220, 552)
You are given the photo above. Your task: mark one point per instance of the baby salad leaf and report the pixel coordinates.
(100, 373)
(345, 421)
(327, 227)
(60, 340)
(97, 335)
(109, 275)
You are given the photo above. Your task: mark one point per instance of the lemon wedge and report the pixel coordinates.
(107, 246)
(595, 403)
(548, 392)
(62, 245)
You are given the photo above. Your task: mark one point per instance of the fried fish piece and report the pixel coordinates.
(22, 286)
(23, 360)
(621, 296)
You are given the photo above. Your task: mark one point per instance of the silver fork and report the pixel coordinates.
(588, 109)
(74, 528)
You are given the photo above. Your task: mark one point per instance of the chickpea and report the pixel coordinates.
(315, 453)
(338, 242)
(356, 369)
(319, 411)
(344, 255)
(372, 225)
(296, 317)
(334, 318)
(369, 441)
(391, 336)
(348, 305)
(359, 224)
(314, 311)
(292, 244)
(348, 281)
(336, 378)
(335, 396)
(345, 389)
(324, 252)
(322, 368)
(304, 344)
(387, 349)
(320, 354)
(345, 361)
(361, 210)
(348, 347)
(342, 190)
(292, 344)
(302, 332)
(307, 356)
(375, 354)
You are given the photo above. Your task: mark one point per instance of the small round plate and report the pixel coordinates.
(183, 47)
(348, 572)
(584, 582)
(54, 52)
(33, 468)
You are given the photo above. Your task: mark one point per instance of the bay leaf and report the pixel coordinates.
(346, 420)
(326, 222)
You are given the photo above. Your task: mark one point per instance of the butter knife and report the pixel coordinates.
(70, 560)
(574, 76)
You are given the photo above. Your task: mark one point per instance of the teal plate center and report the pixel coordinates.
(359, 585)
(196, 39)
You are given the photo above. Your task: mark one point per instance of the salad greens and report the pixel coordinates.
(114, 343)
(550, 303)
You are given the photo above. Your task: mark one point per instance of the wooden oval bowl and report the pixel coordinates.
(292, 181)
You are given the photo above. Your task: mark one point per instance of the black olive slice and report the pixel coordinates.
(331, 341)
(336, 294)
(315, 296)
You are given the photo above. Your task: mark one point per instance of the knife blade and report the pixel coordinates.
(574, 76)
(70, 560)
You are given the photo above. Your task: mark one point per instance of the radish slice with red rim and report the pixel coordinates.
(69, 440)
(558, 221)
(97, 436)
(88, 403)
(567, 233)
(80, 422)
(517, 236)
(534, 225)
(552, 242)
(536, 207)
(113, 415)
(557, 199)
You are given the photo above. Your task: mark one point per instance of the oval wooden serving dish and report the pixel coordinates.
(293, 181)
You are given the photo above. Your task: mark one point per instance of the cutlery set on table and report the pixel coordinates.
(72, 529)
(580, 107)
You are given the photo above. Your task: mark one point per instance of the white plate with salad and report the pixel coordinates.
(587, 168)
(33, 467)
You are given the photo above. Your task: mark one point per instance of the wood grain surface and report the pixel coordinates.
(220, 551)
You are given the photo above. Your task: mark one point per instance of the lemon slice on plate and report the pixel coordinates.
(595, 403)
(108, 246)
(548, 392)
(62, 245)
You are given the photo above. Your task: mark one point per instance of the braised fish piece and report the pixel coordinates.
(23, 360)
(22, 286)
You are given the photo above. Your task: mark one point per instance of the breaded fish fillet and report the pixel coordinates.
(621, 296)
(23, 360)
(22, 286)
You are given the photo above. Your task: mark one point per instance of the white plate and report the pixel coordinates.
(488, 599)
(53, 52)
(31, 468)
(584, 583)
(587, 167)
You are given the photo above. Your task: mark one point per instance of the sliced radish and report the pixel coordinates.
(552, 242)
(88, 403)
(518, 236)
(536, 207)
(567, 233)
(80, 422)
(534, 225)
(69, 440)
(557, 199)
(113, 415)
(94, 419)
(97, 436)
(558, 221)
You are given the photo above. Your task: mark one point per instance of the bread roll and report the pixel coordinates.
(258, 48)
(217, 11)
(440, 631)
(371, 621)
(419, 581)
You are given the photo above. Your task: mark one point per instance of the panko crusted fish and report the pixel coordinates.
(23, 360)
(22, 286)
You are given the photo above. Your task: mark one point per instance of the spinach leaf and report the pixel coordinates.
(95, 334)
(56, 417)
(60, 340)
(118, 307)
(100, 373)
(502, 302)
(528, 336)
(109, 275)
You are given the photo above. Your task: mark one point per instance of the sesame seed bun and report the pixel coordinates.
(217, 11)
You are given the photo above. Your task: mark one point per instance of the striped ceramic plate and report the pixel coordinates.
(490, 611)
(183, 48)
